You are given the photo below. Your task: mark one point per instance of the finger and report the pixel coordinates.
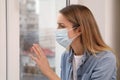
(31, 50)
(39, 49)
(36, 52)
(33, 58)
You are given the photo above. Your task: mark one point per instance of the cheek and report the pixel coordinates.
(71, 34)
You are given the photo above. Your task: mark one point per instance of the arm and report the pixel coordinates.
(52, 75)
(105, 69)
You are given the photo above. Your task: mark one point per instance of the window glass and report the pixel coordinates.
(37, 25)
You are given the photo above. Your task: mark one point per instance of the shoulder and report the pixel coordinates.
(106, 56)
(106, 59)
(106, 65)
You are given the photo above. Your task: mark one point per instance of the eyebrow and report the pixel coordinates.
(60, 23)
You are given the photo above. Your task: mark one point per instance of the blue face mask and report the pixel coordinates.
(62, 37)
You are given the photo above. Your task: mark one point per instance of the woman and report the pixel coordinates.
(87, 56)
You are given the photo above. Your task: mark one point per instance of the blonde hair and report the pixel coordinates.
(82, 17)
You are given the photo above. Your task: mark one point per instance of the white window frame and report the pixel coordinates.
(13, 72)
(12, 40)
(2, 40)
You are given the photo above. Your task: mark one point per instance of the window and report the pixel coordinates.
(38, 21)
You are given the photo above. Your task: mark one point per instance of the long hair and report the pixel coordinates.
(82, 17)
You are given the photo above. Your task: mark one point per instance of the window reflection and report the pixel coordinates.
(34, 30)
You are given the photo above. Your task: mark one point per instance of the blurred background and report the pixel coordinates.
(24, 22)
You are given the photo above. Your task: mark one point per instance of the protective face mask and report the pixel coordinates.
(62, 37)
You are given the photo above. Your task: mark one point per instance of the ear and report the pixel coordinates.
(78, 30)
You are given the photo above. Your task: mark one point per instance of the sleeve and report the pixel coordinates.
(105, 69)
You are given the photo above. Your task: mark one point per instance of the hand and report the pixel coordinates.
(42, 62)
(40, 59)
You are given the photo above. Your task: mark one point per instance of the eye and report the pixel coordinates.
(60, 26)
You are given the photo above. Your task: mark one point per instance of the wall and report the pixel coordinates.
(116, 28)
(98, 10)
(112, 27)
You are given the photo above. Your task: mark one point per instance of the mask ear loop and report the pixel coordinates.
(76, 36)
(75, 27)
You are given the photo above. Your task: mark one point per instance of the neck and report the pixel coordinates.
(77, 47)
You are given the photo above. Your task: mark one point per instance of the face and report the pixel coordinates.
(63, 23)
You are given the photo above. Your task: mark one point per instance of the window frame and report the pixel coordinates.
(13, 37)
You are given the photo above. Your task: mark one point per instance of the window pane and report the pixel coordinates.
(37, 25)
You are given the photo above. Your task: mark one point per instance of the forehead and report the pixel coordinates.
(61, 19)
